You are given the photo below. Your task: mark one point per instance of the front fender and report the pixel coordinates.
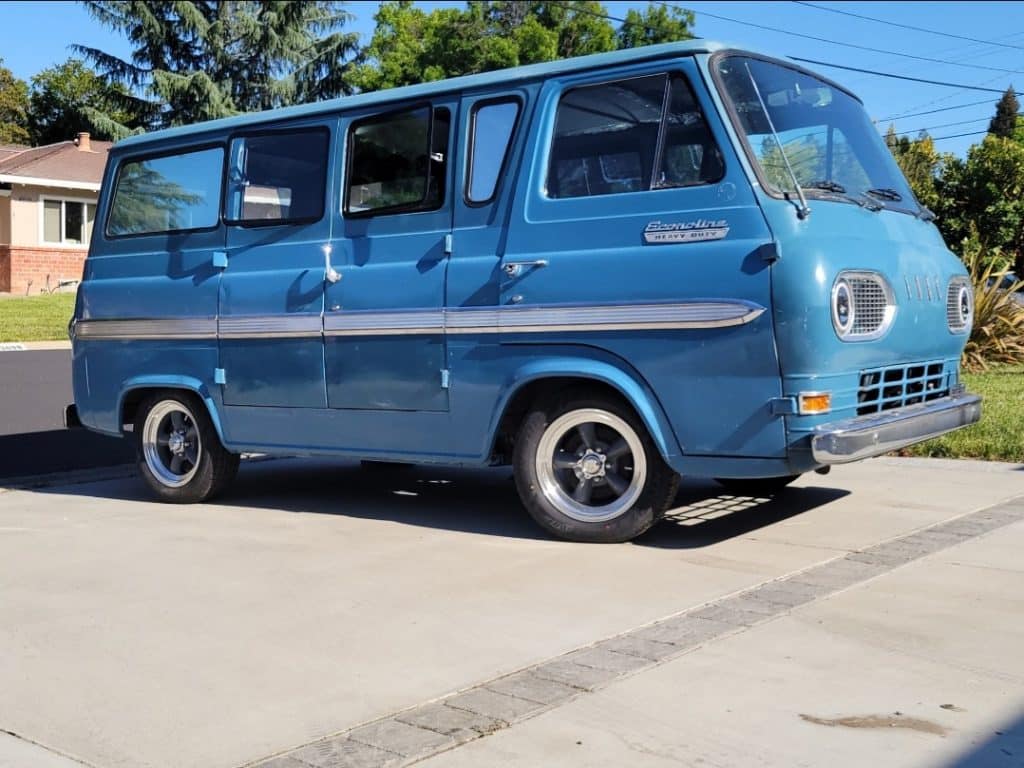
(159, 381)
(626, 381)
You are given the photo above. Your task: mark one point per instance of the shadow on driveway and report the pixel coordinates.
(480, 501)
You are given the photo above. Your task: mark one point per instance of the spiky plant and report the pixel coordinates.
(998, 333)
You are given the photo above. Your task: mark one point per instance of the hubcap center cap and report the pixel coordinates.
(592, 465)
(176, 443)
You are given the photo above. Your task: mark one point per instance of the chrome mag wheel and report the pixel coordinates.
(171, 444)
(591, 465)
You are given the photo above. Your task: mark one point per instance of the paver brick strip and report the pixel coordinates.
(460, 724)
(341, 752)
(414, 734)
(499, 706)
(527, 685)
(394, 736)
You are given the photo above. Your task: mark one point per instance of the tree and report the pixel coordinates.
(656, 24)
(195, 60)
(13, 108)
(920, 162)
(70, 98)
(410, 45)
(985, 192)
(1004, 123)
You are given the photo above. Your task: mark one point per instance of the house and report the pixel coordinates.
(47, 207)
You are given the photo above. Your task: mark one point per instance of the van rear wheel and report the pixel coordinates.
(587, 470)
(179, 453)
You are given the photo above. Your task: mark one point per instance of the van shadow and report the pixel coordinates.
(478, 501)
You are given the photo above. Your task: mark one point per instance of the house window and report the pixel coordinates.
(67, 222)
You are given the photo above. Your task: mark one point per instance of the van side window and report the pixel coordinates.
(490, 139)
(278, 178)
(631, 136)
(172, 193)
(398, 162)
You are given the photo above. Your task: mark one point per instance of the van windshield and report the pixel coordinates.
(829, 141)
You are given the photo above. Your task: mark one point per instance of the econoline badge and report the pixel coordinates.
(700, 230)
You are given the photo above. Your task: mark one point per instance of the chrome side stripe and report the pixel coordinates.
(269, 326)
(373, 323)
(482, 320)
(152, 328)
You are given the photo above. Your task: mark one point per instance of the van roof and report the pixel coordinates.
(425, 90)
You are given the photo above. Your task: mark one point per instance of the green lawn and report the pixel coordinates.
(1000, 434)
(36, 318)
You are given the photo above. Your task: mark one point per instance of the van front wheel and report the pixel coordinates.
(179, 453)
(587, 470)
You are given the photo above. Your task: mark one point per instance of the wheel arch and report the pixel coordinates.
(541, 378)
(134, 391)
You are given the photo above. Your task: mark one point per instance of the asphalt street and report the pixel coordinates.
(34, 388)
(323, 615)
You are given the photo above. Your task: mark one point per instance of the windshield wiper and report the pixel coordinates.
(885, 193)
(838, 190)
(828, 186)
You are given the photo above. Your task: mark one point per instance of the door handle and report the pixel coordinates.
(331, 275)
(516, 268)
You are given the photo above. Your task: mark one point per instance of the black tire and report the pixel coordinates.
(384, 466)
(206, 467)
(755, 486)
(547, 498)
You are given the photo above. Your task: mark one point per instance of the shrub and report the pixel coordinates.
(998, 333)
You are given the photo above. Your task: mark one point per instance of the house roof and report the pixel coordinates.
(60, 164)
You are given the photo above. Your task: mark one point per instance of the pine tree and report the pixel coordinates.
(196, 60)
(1004, 123)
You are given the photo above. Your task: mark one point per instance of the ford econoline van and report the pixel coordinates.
(607, 272)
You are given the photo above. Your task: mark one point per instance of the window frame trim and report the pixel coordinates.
(670, 73)
(511, 98)
(276, 131)
(156, 155)
(64, 243)
(381, 117)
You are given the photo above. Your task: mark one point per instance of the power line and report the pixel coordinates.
(898, 77)
(908, 26)
(933, 111)
(957, 135)
(942, 125)
(845, 45)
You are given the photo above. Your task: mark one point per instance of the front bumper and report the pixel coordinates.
(854, 439)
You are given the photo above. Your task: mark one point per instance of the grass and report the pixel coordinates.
(36, 318)
(999, 436)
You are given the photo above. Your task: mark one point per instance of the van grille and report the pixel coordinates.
(869, 305)
(882, 389)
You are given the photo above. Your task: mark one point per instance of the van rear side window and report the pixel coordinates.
(631, 136)
(172, 193)
(398, 162)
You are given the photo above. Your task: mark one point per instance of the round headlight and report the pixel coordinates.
(965, 304)
(842, 307)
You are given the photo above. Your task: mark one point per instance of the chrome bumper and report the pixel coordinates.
(866, 436)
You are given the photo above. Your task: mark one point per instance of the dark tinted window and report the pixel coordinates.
(491, 136)
(631, 136)
(398, 163)
(278, 178)
(167, 194)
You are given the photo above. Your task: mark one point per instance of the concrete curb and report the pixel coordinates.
(33, 346)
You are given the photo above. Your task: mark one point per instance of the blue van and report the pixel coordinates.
(607, 272)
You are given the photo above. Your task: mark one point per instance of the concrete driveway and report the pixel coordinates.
(318, 597)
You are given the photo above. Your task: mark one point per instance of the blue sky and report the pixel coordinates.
(35, 35)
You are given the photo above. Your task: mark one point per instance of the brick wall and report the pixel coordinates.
(24, 270)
